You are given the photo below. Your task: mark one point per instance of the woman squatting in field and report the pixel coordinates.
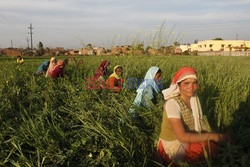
(115, 81)
(98, 81)
(58, 70)
(42, 69)
(147, 91)
(183, 133)
(52, 65)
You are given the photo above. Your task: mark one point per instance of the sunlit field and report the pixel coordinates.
(47, 122)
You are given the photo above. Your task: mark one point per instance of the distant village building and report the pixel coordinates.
(99, 50)
(223, 45)
(73, 52)
(84, 51)
(177, 50)
(194, 47)
(126, 49)
(185, 48)
(117, 50)
(55, 51)
(13, 51)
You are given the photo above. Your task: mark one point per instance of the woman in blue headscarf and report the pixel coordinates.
(148, 90)
(43, 68)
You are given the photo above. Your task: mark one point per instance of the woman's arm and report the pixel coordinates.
(186, 137)
(147, 97)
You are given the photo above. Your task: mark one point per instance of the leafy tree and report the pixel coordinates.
(139, 46)
(196, 41)
(176, 43)
(27, 52)
(89, 46)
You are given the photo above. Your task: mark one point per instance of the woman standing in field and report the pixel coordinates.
(52, 65)
(115, 81)
(148, 90)
(183, 133)
(42, 69)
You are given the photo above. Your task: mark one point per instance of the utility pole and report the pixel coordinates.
(237, 35)
(11, 43)
(28, 42)
(31, 43)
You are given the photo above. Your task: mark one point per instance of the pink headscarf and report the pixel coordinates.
(173, 90)
(52, 65)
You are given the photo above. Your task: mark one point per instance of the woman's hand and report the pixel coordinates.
(217, 137)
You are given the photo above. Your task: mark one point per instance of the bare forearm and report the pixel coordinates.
(195, 137)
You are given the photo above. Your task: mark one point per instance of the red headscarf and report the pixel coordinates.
(60, 63)
(181, 74)
(184, 72)
(101, 71)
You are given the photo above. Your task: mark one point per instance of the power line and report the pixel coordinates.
(10, 24)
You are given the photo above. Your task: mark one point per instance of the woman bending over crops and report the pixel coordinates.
(148, 90)
(52, 65)
(184, 136)
(42, 69)
(115, 82)
(100, 76)
(58, 70)
(101, 72)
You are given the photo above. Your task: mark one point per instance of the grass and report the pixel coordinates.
(61, 123)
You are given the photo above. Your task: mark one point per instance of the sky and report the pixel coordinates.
(105, 23)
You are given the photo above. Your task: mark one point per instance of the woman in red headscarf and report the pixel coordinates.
(58, 70)
(184, 136)
(98, 81)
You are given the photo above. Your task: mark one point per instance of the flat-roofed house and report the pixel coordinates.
(223, 45)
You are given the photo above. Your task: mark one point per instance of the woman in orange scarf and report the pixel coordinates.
(184, 135)
(115, 82)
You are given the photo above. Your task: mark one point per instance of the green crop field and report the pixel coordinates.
(47, 122)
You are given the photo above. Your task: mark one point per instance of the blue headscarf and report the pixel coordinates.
(43, 67)
(148, 81)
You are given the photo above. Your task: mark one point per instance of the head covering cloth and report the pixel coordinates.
(114, 73)
(51, 66)
(148, 81)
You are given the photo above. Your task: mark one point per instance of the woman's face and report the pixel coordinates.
(54, 61)
(188, 87)
(118, 71)
(157, 77)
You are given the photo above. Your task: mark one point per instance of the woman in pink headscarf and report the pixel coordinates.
(184, 135)
(52, 65)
